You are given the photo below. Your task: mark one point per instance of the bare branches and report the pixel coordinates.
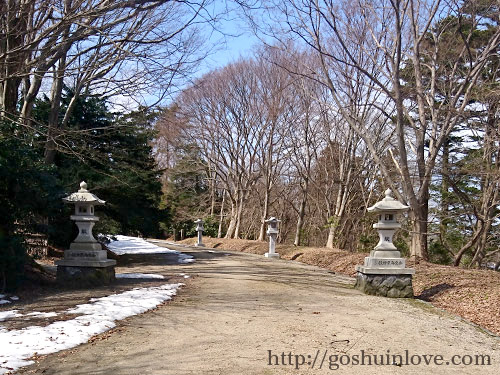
(154, 41)
(398, 53)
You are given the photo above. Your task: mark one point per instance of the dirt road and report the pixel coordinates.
(245, 314)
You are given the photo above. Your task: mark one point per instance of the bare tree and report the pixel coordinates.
(384, 41)
(276, 98)
(121, 49)
(221, 108)
(305, 140)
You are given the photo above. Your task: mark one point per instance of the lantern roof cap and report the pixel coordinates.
(198, 221)
(272, 219)
(389, 203)
(83, 195)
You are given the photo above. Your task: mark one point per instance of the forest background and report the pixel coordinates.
(339, 101)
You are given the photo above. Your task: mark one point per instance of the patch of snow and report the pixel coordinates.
(9, 314)
(98, 316)
(138, 276)
(4, 315)
(134, 245)
(2, 295)
(476, 106)
(173, 243)
(14, 298)
(4, 301)
(42, 314)
(184, 258)
(184, 275)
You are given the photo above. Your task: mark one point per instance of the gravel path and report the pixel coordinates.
(239, 313)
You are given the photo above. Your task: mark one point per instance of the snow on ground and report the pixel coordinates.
(4, 301)
(93, 318)
(138, 276)
(133, 245)
(42, 314)
(4, 315)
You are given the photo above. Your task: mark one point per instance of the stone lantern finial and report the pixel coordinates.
(83, 187)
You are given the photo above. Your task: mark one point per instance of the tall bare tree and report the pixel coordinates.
(276, 98)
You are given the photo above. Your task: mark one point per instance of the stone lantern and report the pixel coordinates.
(384, 272)
(199, 229)
(85, 262)
(272, 232)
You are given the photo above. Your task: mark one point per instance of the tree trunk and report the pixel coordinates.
(15, 22)
(331, 237)
(238, 217)
(481, 246)
(300, 218)
(490, 195)
(340, 206)
(477, 232)
(262, 231)
(489, 182)
(221, 220)
(55, 106)
(419, 216)
(9, 98)
(213, 190)
(445, 186)
(232, 222)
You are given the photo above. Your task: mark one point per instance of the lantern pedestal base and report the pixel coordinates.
(393, 283)
(81, 276)
(271, 255)
(200, 244)
(83, 268)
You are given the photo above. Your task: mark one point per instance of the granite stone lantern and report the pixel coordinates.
(272, 232)
(384, 272)
(199, 229)
(85, 262)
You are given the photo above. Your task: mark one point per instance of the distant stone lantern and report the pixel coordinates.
(85, 262)
(199, 229)
(272, 232)
(384, 272)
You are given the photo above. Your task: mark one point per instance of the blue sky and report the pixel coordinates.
(230, 40)
(231, 50)
(234, 40)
